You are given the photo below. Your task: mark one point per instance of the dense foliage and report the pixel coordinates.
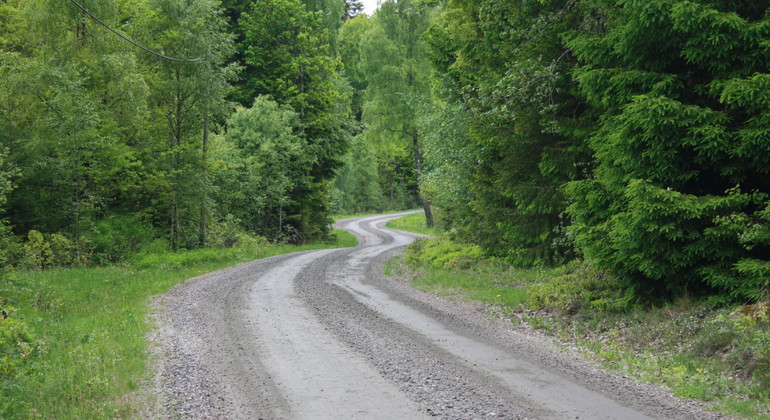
(106, 148)
(678, 199)
(505, 73)
(632, 134)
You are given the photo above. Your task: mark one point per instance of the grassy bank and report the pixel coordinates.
(716, 354)
(343, 216)
(412, 223)
(73, 344)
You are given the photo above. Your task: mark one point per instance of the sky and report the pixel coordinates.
(369, 6)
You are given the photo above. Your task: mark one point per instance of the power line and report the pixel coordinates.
(189, 60)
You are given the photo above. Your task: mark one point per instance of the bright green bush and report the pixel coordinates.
(45, 251)
(227, 233)
(37, 251)
(443, 253)
(63, 251)
(17, 344)
(581, 288)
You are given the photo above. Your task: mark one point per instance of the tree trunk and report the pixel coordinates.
(418, 170)
(76, 229)
(176, 142)
(205, 179)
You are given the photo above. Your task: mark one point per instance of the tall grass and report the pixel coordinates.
(87, 327)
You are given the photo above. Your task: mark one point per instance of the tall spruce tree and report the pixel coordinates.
(506, 66)
(678, 200)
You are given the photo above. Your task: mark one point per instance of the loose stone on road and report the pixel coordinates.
(324, 335)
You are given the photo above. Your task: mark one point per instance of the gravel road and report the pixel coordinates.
(324, 335)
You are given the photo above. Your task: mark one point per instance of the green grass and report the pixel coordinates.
(460, 271)
(716, 355)
(88, 326)
(412, 223)
(489, 284)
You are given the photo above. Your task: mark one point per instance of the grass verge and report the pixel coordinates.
(718, 355)
(412, 223)
(73, 343)
(365, 213)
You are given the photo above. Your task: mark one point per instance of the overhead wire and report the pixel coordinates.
(86, 11)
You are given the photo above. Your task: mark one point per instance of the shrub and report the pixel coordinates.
(224, 233)
(11, 248)
(581, 287)
(117, 237)
(63, 250)
(17, 344)
(227, 233)
(38, 252)
(439, 252)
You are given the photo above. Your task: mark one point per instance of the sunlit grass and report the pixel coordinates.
(90, 326)
(491, 284)
(412, 223)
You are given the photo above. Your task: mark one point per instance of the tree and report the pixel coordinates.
(266, 157)
(288, 58)
(396, 69)
(186, 94)
(332, 14)
(71, 106)
(357, 181)
(678, 200)
(451, 161)
(353, 8)
(351, 37)
(506, 66)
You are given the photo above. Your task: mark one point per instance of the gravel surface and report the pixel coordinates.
(324, 335)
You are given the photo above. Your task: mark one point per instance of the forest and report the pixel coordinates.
(598, 170)
(633, 135)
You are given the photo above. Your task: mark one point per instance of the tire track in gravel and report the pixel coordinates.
(324, 335)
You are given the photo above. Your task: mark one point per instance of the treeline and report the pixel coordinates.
(633, 134)
(107, 149)
(386, 64)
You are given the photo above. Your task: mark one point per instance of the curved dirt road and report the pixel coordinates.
(323, 335)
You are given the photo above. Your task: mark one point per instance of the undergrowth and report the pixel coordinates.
(72, 340)
(718, 355)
